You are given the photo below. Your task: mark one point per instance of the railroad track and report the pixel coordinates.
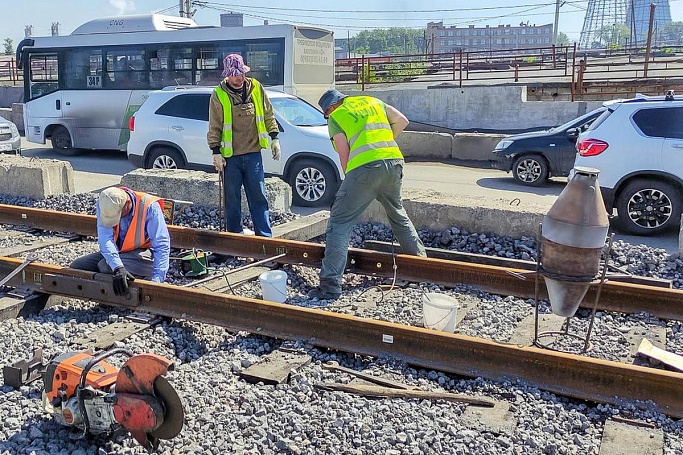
(565, 374)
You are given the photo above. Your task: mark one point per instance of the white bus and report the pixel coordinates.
(81, 89)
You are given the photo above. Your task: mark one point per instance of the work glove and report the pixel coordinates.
(120, 283)
(218, 162)
(275, 148)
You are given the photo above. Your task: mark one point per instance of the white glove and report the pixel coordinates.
(218, 162)
(275, 148)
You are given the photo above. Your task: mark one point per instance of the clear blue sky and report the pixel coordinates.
(343, 17)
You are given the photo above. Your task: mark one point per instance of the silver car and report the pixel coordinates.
(10, 141)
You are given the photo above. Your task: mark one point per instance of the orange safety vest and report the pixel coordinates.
(136, 236)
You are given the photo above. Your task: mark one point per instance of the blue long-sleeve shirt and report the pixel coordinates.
(155, 229)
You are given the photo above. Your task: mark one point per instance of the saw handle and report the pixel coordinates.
(95, 360)
(81, 385)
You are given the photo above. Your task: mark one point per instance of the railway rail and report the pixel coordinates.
(562, 373)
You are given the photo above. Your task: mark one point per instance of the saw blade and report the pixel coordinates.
(174, 417)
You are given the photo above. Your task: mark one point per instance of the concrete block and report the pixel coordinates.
(420, 144)
(35, 178)
(199, 187)
(18, 116)
(431, 210)
(475, 146)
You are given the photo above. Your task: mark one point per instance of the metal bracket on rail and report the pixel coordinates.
(99, 289)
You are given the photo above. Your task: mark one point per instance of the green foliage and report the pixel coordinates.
(529, 59)
(562, 39)
(614, 36)
(393, 40)
(8, 45)
(673, 32)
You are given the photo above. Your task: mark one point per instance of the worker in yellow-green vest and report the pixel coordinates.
(241, 123)
(363, 130)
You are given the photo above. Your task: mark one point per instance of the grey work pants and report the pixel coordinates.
(139, 263)
(380, 180)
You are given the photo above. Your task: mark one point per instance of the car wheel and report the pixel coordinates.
(165, 158)
(313, 183)
(530, 170)
(61, 141)
(646, 207)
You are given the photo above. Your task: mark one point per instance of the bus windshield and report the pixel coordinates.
(80, 89)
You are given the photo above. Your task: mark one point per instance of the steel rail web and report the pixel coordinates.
(565, 374)
(619, 297)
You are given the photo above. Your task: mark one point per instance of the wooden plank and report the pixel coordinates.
(12, 307)
(105, 337)
(16, 250)
(275, 367)
(655, 334)
(524, 332)
(616, 436)
(668, 358)
(304, 228)
(388, 392)
(497, 420)
(219, 283)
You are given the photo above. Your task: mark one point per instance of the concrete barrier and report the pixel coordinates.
(474, 146)
(35, 178)
(430, 210)
(461, 146)
(199, 187)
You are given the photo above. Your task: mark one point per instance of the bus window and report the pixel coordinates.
(126, 69)
(44, 75)
(170, 66)
(210, 63)
(265, 62)
(83, 69)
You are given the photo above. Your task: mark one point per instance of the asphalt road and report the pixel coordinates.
(95, 170)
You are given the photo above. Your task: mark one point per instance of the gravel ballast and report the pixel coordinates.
(225, 414)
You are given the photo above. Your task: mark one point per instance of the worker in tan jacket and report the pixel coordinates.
(241, 123)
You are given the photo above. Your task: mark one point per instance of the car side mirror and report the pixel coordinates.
(573, 133)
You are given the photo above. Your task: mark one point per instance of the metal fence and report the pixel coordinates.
(587, 72)
(9, 74)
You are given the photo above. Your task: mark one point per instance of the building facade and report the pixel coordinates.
(441, 39)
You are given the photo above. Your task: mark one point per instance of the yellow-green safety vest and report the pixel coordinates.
(226, 136)
(367, 129)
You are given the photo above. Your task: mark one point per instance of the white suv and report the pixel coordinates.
(169, 132)
(637, 145)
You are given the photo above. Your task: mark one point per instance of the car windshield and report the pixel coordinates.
(580, 121)
(298, 112)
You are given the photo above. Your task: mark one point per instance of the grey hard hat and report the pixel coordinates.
(329, 98)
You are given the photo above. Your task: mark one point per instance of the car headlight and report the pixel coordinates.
(13, 128)
(502, 145)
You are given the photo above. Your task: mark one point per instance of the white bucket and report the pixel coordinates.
(439, 311)
(274, 285)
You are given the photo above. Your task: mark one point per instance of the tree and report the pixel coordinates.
(562, 39)
(673, 33)
(395, 40)
(9, 45)
(614, 35)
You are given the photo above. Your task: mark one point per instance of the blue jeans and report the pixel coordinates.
(381, 180)
(246, 170)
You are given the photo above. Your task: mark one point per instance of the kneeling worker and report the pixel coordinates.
(133, 238)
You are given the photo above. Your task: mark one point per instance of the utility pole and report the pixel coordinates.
(649, 38)
(185, 8)
(557, 21)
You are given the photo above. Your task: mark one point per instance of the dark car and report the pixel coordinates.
(534, 157)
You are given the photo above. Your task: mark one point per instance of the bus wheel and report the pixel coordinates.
(61, 141)
(165, 158)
